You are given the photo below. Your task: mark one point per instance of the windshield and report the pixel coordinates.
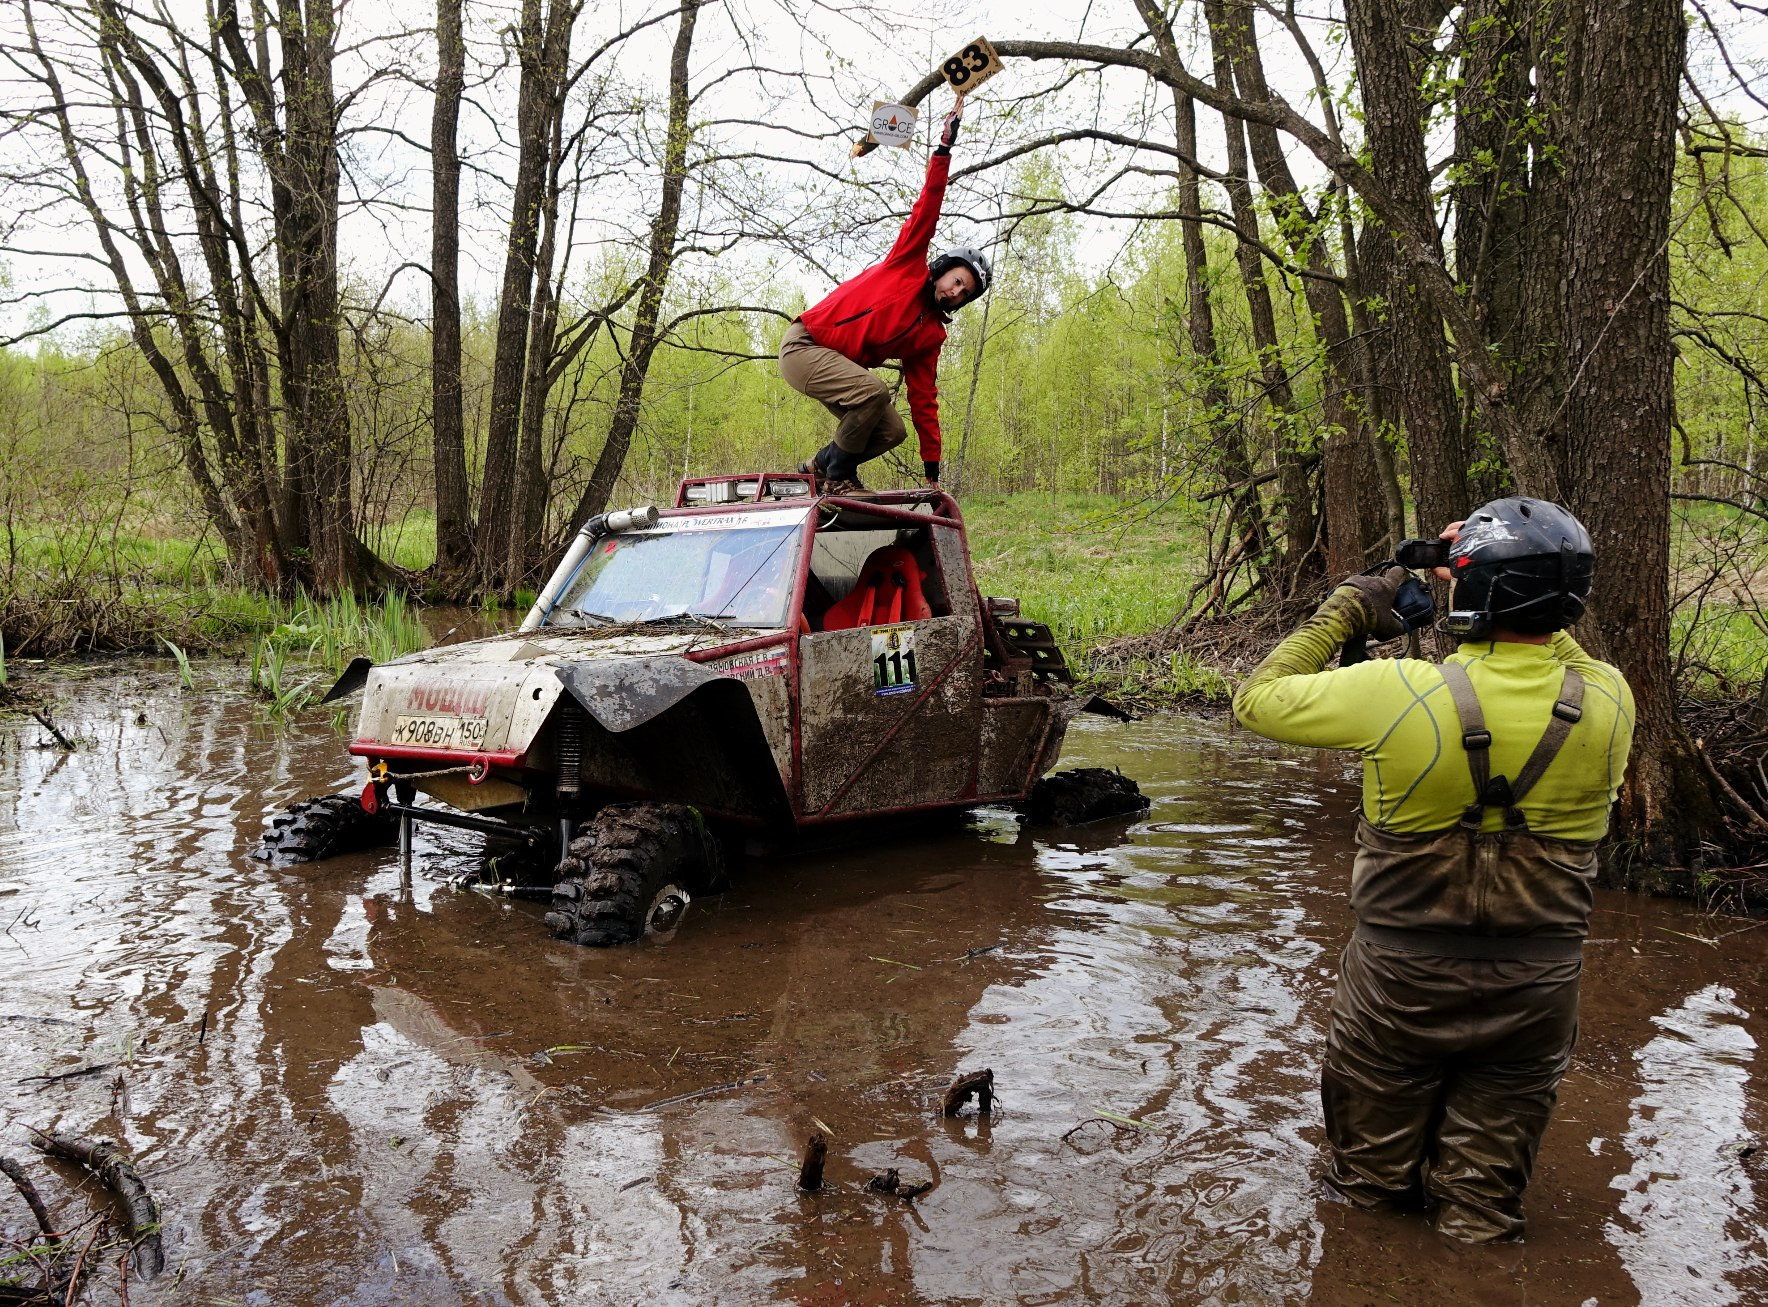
(735, 577)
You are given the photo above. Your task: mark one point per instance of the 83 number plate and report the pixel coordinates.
(970, 67)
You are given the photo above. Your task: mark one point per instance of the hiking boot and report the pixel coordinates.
(848, 486)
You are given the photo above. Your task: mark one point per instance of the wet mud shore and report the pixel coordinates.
(343, 1090)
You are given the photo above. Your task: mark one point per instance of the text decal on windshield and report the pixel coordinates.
(754, 517)
(893, 659)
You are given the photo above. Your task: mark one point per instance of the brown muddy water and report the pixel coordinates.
(348, 1092)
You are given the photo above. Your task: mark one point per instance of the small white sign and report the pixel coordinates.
(892, 124)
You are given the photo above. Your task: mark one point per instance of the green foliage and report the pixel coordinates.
(185, 677)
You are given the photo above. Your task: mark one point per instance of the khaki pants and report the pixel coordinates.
(1439, 1077)
(870, 424)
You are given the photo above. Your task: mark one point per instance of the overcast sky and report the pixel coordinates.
(798, 217)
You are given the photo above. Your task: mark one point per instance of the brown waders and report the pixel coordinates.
(870, 424)
(1457, 1000)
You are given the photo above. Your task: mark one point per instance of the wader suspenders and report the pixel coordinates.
(1491, 791)
(1495, 792)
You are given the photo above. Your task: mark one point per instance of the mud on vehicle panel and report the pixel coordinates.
(864, 751)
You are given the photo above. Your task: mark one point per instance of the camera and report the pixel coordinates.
(1417, 555)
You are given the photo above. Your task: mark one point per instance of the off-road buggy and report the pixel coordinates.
(757, 667)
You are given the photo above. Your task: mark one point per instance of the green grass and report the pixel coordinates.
(1093, 568)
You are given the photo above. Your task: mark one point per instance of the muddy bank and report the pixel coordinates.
(346, 1091)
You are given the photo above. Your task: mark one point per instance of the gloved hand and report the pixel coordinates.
(1372, 597)
(948, 136)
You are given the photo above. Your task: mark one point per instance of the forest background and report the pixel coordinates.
(330, 301)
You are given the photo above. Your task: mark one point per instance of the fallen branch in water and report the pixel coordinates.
(52, 728)
(1122, 1127)
(59, 1076)
(116, 1172)
(28, 1191)
(978, 1085)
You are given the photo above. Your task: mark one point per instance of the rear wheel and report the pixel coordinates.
(632, 873)
(1073, 798)
(323, 828)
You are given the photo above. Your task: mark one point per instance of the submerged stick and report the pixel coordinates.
(810, 1169)
(33, 1200)
(116, 1172)
(52, 728)
(978, 1084)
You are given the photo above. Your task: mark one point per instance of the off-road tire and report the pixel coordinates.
(323, 828)
(1085, 794)
(626, 870)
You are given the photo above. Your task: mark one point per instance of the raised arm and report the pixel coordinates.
(917, 232)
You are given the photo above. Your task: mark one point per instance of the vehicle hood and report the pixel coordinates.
(511, 684)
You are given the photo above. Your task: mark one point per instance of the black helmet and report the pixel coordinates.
(963, 257)
(1520, 565)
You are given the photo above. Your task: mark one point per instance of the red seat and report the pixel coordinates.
(888, 591)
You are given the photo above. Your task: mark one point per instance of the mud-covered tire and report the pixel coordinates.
(323, 828)
(1074, 798)
(631, 873)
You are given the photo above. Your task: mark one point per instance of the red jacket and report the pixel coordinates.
(886, 313)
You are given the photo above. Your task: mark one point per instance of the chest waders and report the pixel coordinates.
(1464, 892)
(1455, 1011)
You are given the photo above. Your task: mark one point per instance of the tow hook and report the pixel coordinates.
(374, 794)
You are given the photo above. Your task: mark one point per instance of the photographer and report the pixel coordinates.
(1487, 782)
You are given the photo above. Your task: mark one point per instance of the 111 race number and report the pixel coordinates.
(970, 67)
(893, 659)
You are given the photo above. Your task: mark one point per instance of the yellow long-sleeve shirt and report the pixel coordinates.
(1398, 714)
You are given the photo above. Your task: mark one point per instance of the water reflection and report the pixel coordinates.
(1687, 1228)
(347, 1090)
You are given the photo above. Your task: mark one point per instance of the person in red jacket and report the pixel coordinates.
(897, 309)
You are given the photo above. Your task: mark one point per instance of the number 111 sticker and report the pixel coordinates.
(893, 659)
(971, 66)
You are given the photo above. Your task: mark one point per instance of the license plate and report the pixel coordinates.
(440, 732)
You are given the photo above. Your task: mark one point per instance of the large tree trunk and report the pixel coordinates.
(1295, 492)
(1387, 36)
(454, 538)
(1624, 61)
(531, 496)
(298, 139)
(542, 47)
(660, 260)
(1341, 472)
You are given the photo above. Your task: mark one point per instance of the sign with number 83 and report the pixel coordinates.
(970, 67)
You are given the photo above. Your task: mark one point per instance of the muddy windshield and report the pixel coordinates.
(736, 577)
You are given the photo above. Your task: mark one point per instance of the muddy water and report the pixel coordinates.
(346, 1091)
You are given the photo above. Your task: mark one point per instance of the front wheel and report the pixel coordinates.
(323, 828)
(632, 873)
(1085, 794)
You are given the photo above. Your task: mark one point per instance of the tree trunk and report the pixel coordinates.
(658, 263)
(1295, 494)
(1387, 36)
(454, 527)
(1227, 439)
(542, 49)
(1625, 61)
(543, 321)
(1338, 381)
